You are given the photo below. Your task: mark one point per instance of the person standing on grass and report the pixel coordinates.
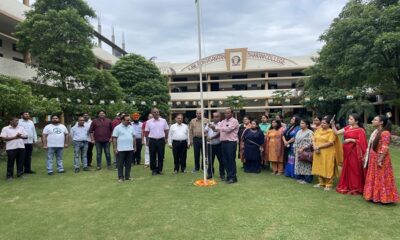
(115, 122)
(195, 131)
(228, 129)
(146, 147)
(316, 123)
(380, 185)
(30, 129)
(80, 138)
(55, 139)
(352, 177)
(89, 154)
(137, 127)
(246, 124)
(100, 135)
(288, 140)
(178, 141)
(253, 140)
(14, 137)
(124, 144)
(327, 156)
(156, 133)
(273, 148)
(214, 148)
(303, 152)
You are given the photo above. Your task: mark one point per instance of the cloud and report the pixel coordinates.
(167, 28)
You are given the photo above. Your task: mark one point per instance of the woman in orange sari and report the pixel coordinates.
(273, 148)
(354, 147)
(380, 185)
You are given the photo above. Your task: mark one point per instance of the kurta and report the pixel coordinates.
(325, 163)
(303, 141)
(289, 168)
(273, 147)
(352, 175)
(252, 141)
(380, 184)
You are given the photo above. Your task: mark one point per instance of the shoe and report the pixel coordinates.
(98, 168)
(30, 172)
(184, 171)
(175, 172)
(121, 180)
(279, 174)
(303, 182)
(209, 177)
(318, 186)
(231, 181)
(223, 178)
(160, 173)
(129, 179)
(62, 171)
(154, 173)
(85, 169)
(50, 173)
(76, 170)
(9, 178)
(195, 171)
(21, 177)
(327, 188)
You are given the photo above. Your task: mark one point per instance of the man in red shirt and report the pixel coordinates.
(100, 135)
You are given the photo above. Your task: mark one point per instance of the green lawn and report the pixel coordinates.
(93, 205)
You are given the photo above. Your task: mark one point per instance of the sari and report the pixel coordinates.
(242, 129)
(353, 175)
(290, 163)
(302, 169)
(380, 185)
(252, 140)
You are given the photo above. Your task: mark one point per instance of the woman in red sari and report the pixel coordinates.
(380, 185)
(354, 147)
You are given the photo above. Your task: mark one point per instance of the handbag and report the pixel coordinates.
(306, 155)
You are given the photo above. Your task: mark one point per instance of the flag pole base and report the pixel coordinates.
(208, 183)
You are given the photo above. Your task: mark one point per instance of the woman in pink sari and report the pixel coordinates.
(352, 177)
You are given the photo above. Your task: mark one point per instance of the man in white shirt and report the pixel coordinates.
(178, 140)
(137, 128)
(80, 137)
(156, 133)
(55, 139)
(14, 136)
(30, 129)
(214, 148)
(144, 140)
(89, 154)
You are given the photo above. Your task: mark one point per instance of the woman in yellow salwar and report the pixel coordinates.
(328, 155)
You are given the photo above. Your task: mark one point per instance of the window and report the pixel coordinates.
(1, 42)
(263, 75)
(179, 79)
(239, 76)
(180, 89)
(204, 87)
(272, 75)
(14, 46)
(272, 85)
(18, 59)
(297, 74)
(1, 55)
(239, 87)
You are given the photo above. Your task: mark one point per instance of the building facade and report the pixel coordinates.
(13, 63)
(256, 76)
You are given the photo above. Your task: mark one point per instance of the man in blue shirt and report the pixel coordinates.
(124, 147)
(80, 137)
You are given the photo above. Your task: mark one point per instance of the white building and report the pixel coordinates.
(254, 75)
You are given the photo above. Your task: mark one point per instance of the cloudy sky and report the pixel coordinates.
(167, 28)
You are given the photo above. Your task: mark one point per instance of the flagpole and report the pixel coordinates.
(201, 90)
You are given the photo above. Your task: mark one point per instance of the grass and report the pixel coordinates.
(92, 205)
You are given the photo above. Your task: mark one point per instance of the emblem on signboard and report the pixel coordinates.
(235, 61)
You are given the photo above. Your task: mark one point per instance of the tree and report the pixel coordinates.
(142, 83)
(361, 51)
(17, 97)
(58, 36)
(235, 102)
